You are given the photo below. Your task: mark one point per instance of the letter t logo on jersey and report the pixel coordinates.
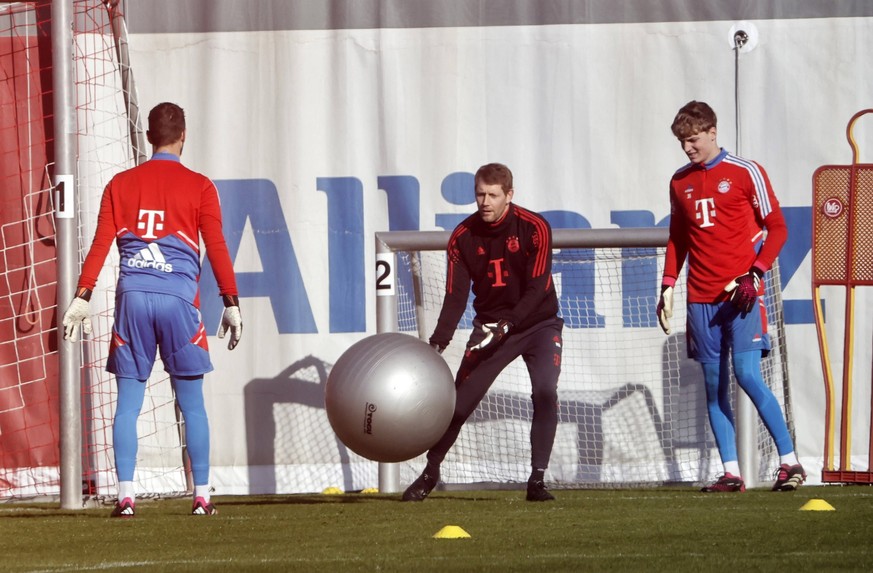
(498, 273)
(705, 209)
(151, 221)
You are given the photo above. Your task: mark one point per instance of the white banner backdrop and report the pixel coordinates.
(581, 113)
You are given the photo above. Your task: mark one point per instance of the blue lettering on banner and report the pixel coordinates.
(638, 262)
(797, 247)
(256, 202)
(582, 288)
(345, 252)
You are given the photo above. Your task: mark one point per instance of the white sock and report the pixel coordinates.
(732, 468)
(789, 458)
(126, 490)
(202, 491)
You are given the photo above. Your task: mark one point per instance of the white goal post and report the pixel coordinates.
(632, 405)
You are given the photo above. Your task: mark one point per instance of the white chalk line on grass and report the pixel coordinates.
(169, 563)
(580, 557)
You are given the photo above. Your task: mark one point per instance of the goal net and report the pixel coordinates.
(632, 405)
(28, 357)
(108, 140)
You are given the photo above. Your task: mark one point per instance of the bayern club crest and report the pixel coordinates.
(724, 185)
(832, 208)
(512, 244)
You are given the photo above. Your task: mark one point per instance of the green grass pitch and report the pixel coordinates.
(665, 529)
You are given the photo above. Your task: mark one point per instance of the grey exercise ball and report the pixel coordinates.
(390, 397)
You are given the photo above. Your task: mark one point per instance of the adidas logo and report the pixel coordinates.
(150, 257)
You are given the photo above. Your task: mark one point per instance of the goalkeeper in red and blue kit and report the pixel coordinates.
(505, 252)
(157, 214)
(719, 206)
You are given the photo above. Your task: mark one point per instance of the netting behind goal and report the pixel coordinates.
(28, 355)
(632, 408)
(106, 123)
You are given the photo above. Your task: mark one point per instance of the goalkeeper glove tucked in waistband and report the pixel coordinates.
(744, 289)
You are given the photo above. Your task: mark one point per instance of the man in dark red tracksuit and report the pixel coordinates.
(505, 252)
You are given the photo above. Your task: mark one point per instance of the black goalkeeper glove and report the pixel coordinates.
(494, 333)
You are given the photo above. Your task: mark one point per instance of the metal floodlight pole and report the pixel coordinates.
(66, 222)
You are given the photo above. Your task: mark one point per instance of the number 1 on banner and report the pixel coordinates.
(385, 275)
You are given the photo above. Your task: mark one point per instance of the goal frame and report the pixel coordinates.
(65, 193)
(90, 130)
(389, 243)
(63, 181)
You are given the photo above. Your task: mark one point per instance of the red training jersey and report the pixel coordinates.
(717, 213)
(157, 213)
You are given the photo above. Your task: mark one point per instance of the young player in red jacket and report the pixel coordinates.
(719, 205)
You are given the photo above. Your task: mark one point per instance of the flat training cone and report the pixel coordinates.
(817, 505)
(451, 532)
(332, 490)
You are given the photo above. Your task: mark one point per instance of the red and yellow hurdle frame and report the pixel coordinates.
(842, 255)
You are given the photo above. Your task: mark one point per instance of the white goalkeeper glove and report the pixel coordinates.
(665, 308)
(231, 320)
(494, 333)
(77, 315)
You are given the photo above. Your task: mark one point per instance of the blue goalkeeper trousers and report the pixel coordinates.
(189, 393)
(747, 368)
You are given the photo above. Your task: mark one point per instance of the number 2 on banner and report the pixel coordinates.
(385, 274)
